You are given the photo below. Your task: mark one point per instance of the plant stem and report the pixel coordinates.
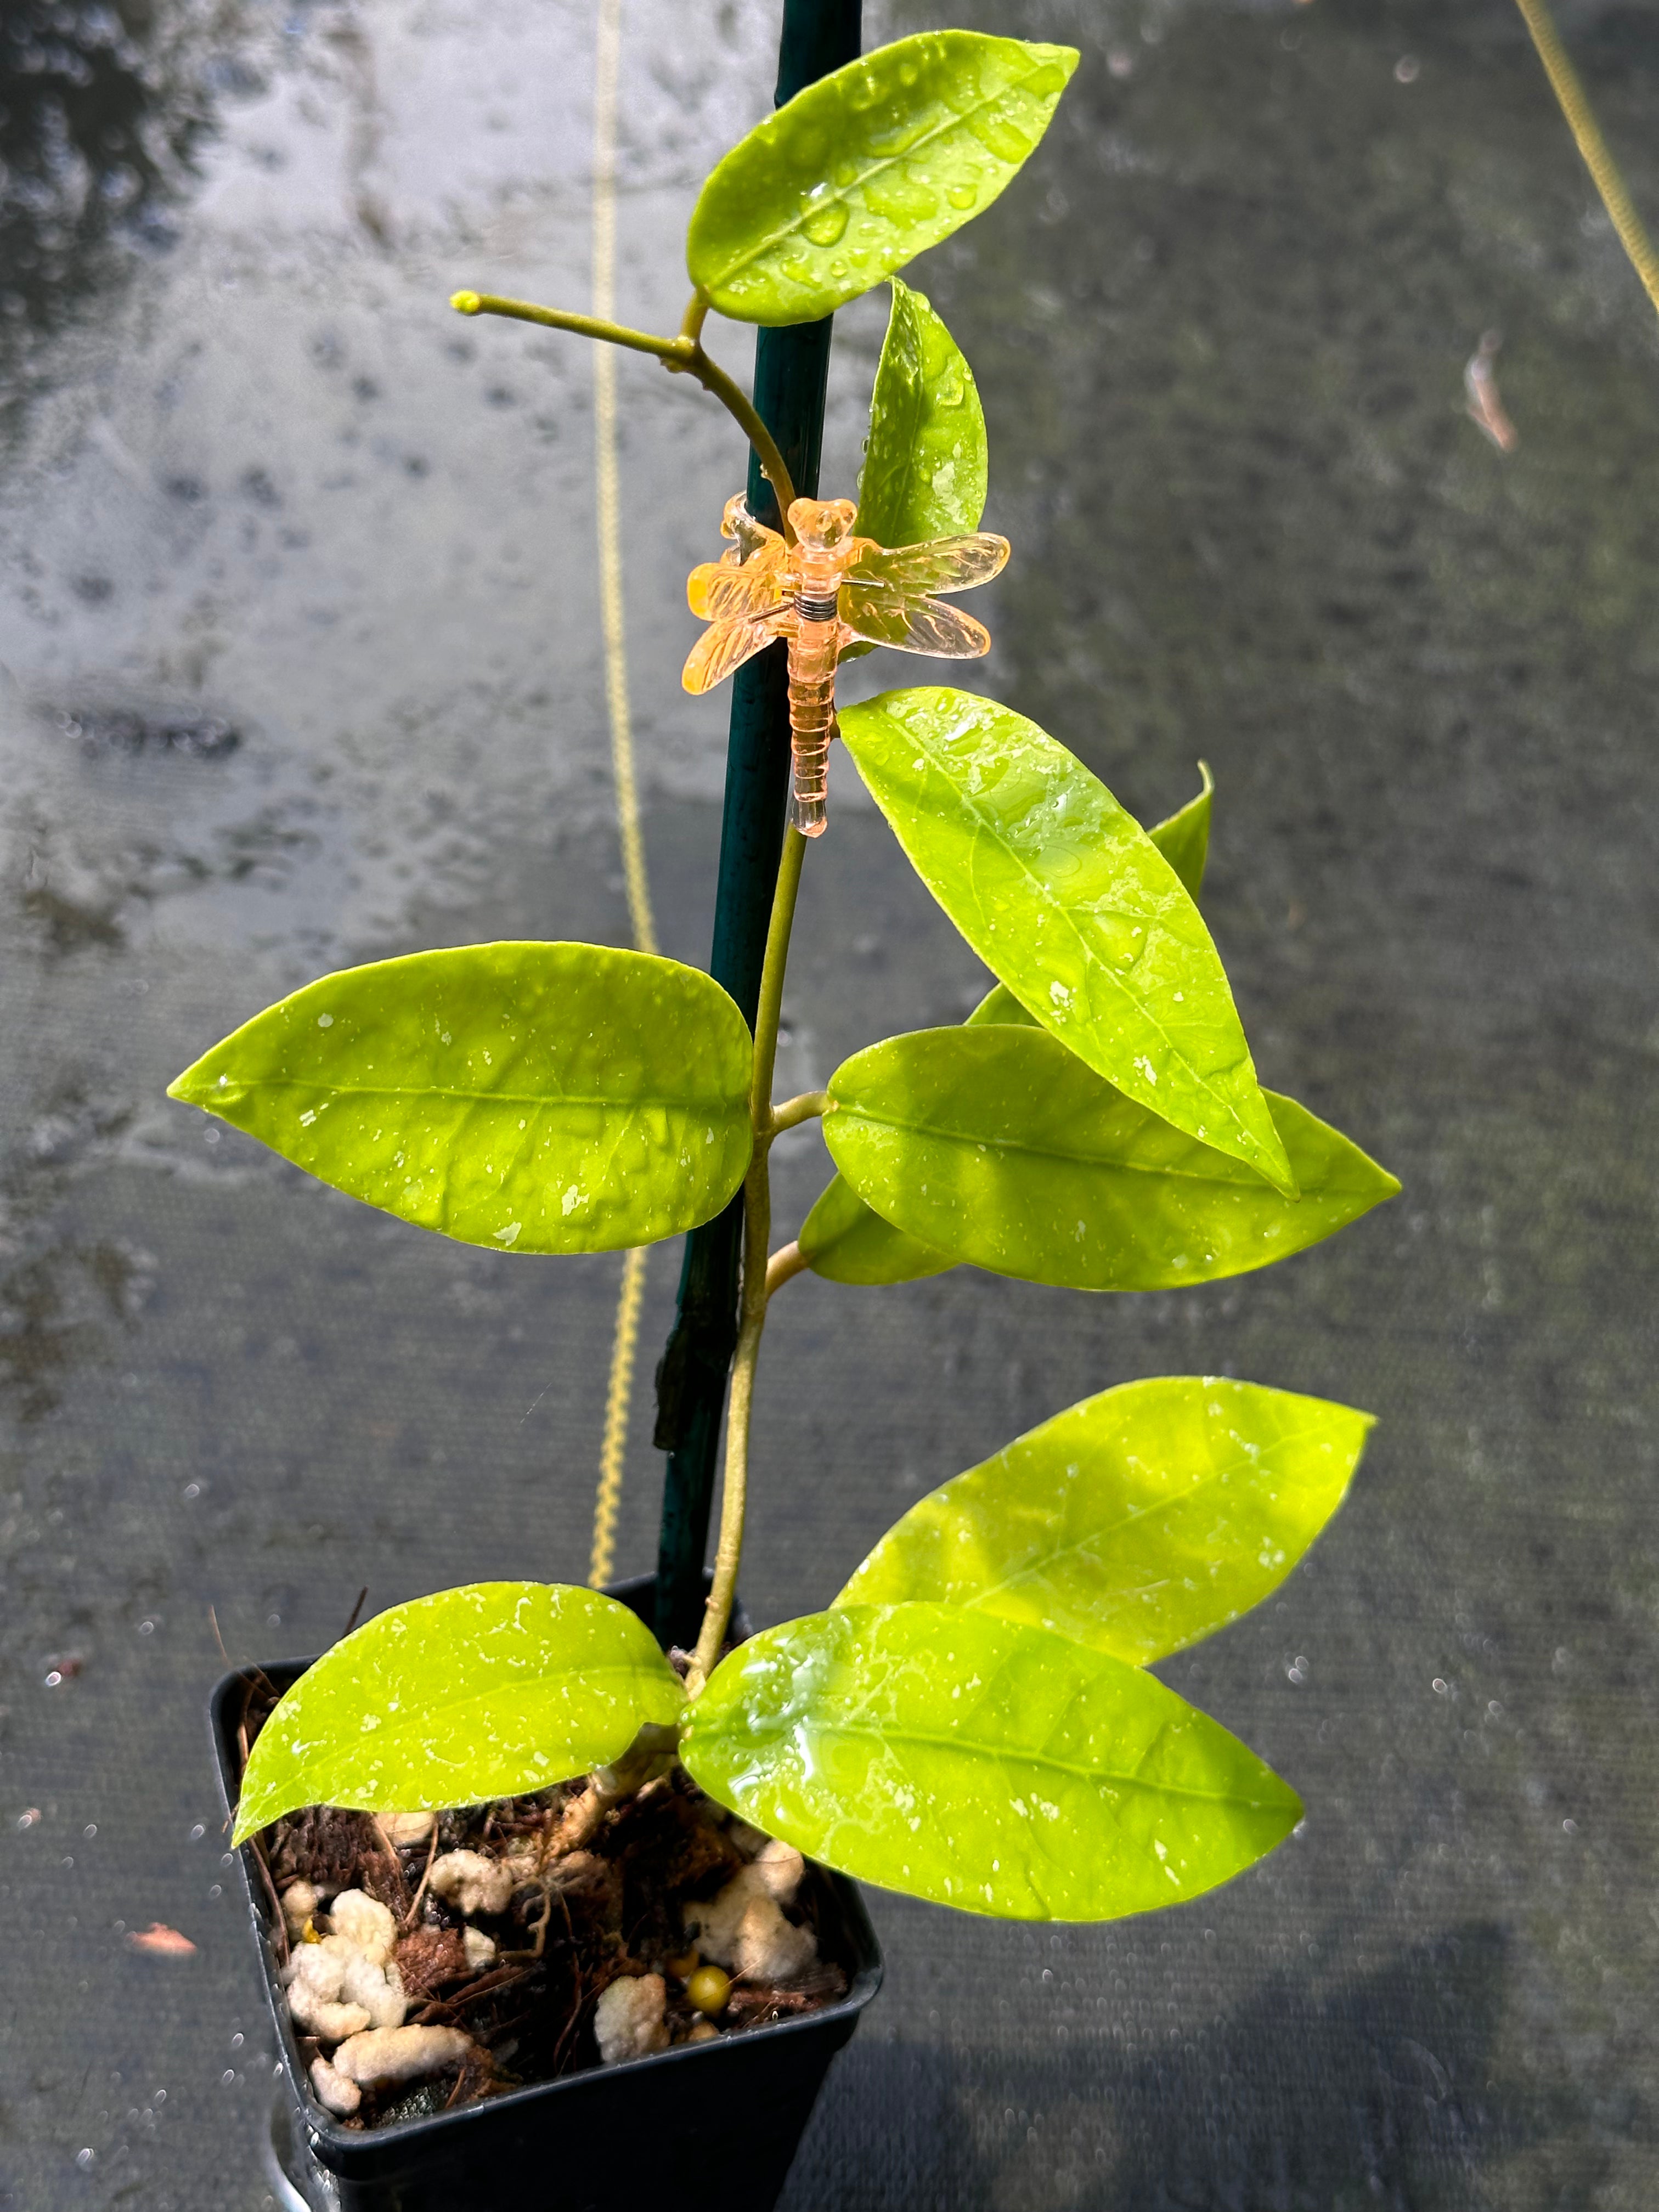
(794, 1111)
(787, 1262)
(681, 356)
(756, 1228)
(1587, 136)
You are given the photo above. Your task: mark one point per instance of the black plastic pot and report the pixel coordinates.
(705, 2126)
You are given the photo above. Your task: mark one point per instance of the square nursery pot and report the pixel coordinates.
(706, 2125)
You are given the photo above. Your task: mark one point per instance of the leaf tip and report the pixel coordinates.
(246, 1824)
(191, 1087)
(1283, 1179)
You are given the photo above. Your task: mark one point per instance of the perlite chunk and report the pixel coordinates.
(779, 1868)
(743, 1927)
(366, 1923)
(333, 2091)
(300, 1901)
(406, 1828)
(628, 2021)
(384, 2055)
(472, 1883)
(334, 1991)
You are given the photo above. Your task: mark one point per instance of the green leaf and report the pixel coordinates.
(866, 168)
(925, 462)
(1000, 1009)
(981, 1764)
(1071, 905)
(479, 1693)
(533, 1097)
(1135, 1522)
(998, 1147)
(1184, 838)
(841, 1239)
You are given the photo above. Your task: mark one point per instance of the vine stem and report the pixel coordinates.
(785, 1264)
(681, 356)
(756, 1228)
(1587, 136)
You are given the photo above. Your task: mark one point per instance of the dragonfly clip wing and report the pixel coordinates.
(882, 615)
(725, 645)
(721, 592)
(942, 564)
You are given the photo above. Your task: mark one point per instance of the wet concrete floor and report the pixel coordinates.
(300, 627)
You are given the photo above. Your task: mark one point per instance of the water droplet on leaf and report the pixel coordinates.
(826, 224)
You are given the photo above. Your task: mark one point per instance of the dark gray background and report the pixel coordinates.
(251, 470)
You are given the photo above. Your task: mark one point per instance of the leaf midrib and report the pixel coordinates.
(886, 1735)
(1240, 1460)
(958, 119)
(1074, 1159)
(542, 1101)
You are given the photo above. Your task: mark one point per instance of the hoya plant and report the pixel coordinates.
(971, 1718)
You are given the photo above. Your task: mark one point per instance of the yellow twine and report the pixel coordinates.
(625, 1341)
(1587, 134)
(604, 446)
(608, 1502)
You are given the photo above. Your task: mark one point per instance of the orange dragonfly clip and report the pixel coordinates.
(827, 591)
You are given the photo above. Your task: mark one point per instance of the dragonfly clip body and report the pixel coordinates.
(827, 591)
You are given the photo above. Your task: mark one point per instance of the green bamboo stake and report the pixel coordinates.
(791, 369)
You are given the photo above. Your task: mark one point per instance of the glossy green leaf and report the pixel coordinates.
(925, 462)
(479, 1693)
(841, 1239)
(533, 1097)
(1136, 1522)
(1000, 1009)
(1184, 838)
(866, 168)
(844, 1241)
(998, 1147)
(1071, 905)
(981, 1764)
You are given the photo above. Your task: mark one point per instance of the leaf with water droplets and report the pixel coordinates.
(981, 1763)
(866, 168)
(1136, 1522)
(1069, 901)
(529, 1097)
(926, 461)
(841, 1239)
(996, 1146)
(479, 1693)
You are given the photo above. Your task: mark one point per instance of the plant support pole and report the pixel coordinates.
(791, 369)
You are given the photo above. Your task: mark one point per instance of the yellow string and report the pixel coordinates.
(604, 447)
(1586, 134)
(625, 1341)
(608, 1502)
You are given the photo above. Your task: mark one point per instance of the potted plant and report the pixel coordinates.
(528, 1885)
